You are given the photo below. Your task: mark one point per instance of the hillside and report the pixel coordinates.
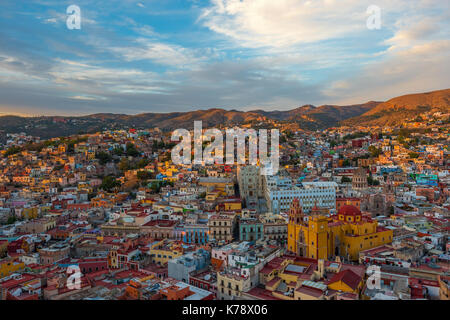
(397, 110)
(307, 117)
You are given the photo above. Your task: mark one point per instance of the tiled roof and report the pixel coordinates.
(348, 277)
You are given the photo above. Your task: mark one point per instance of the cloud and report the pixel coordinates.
(240, 54)
(419, 68)
(330, 37)
(283, 23)
(159, 52)
(417, 29)
(416, 59)
(92, 98)
(82, 87)
(287, 23)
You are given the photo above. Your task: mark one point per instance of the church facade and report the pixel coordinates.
(345, 234)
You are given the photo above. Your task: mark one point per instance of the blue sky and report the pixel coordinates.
(172, 55)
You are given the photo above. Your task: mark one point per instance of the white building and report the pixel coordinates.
(280, 196)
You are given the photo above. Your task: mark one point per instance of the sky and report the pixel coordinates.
(179, 55)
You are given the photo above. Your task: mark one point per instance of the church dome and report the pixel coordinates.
(348, 210)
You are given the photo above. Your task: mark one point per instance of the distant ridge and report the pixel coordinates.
(398, 109)
(307, 117)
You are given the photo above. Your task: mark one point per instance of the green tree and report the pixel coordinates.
(143, 175)
(374, 151)
(11, 219)
(103, 157)
(346, 163)
(118, 151)
(109, 183)
(155, 186)
(132, 151)
(371, 181)
(345, 179)
(12, 150)
(142, 163)
(413, 155)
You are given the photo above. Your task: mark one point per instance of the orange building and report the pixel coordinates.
(177, 292)
(340, 202)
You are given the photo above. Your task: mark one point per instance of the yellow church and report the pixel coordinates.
(344, 234)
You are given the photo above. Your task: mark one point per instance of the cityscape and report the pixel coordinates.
(121, 204)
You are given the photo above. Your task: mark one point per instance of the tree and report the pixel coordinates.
(155, 186)
(12, 150)
(413, 155)
(103, 157)
(109, 183)
(11, 219)
(404, 133)
(124, 165)
(70, 147)
(371, 181)
(374, 151)
(143, 175)
(118, 151)
(131, 150)
(142, 163)
(345, 179)
(391, 210)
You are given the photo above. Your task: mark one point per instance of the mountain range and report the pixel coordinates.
(399, 109)
(307, 117)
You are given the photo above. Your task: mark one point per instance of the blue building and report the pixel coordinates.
(251, 229)
(196, 233)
